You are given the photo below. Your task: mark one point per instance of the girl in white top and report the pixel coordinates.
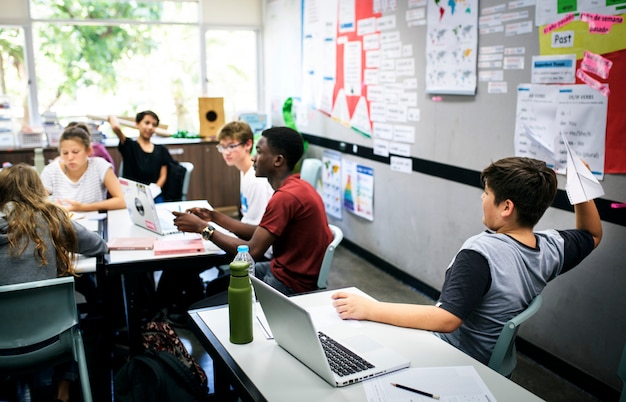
(80, 182)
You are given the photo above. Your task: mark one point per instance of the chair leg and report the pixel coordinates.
(83, 372)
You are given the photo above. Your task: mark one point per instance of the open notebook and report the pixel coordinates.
(339, 361)
(142, 209)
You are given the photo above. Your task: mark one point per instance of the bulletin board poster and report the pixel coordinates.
(340, 38)
(331, 183)
(358, 189)
(596, 35)
(451, 47)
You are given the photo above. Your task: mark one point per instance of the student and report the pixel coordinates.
(80, 182)
(497, 273)
(144, 161)
(38, 240)
(294, 222)
(177, 290)
(235, 145)
(98, 149)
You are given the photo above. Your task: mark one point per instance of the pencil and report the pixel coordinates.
(417, 391)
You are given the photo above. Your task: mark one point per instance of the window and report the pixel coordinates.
(13, 77)
(101, 57)
(232, 70)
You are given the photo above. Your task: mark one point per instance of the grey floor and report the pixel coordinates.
(351, 270)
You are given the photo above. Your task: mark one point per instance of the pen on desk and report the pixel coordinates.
(417, 391)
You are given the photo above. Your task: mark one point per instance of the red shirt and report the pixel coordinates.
(296, 215)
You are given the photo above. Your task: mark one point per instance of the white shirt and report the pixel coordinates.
(255, 193)
(88, 189)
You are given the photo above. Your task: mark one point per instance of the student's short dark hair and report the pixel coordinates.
(286, 142)
(529, 183)
(145, 113)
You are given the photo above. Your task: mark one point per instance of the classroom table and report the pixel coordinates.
(263, 371)
(130, 264)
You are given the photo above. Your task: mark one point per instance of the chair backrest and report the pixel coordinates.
(504, 358)
(322, 279)
(311, 171)
(621, 373)
(40, 328)
(189, 167)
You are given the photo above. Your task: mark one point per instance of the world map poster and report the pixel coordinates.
(451, 46)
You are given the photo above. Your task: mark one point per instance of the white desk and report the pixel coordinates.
(130, 264)
(262, 370)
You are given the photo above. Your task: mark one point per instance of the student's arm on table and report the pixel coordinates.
(430, 318)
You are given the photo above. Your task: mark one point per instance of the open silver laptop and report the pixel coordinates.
(295, 332)
(142, 209)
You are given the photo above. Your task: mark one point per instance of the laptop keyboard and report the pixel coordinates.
(342, 360)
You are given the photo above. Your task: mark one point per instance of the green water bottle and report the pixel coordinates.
(240, 303)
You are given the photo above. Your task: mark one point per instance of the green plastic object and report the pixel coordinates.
(240, 303)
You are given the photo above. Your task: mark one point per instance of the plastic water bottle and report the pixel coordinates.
(243, 254)
(240, 303)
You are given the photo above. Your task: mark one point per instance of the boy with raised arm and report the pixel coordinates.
(497, 273)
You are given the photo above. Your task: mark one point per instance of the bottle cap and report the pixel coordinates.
(243, 249)
(239, 268)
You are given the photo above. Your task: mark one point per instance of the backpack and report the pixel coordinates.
(163, 371)
(173, 187)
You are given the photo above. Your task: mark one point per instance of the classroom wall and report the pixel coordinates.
(420, 220)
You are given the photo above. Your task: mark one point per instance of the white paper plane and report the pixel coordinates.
(582, 185)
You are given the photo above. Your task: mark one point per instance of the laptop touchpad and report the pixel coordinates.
(361, 343)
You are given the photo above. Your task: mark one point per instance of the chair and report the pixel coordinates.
(504, 358)
(322, 279)
(311, 171)
(40, 328)
(621, 373)
(189, 167)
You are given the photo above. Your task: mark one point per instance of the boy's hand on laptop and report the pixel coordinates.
(188, 222)
(203, 213)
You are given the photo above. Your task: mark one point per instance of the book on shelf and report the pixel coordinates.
(131, 243)
(178, 246)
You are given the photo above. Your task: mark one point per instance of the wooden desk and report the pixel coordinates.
(263, 371)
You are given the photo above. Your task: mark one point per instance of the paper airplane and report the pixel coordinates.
(582, 185)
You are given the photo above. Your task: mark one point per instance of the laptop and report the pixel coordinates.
(294, 331)
(142, 209)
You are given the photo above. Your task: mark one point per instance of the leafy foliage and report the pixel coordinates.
(87, 53)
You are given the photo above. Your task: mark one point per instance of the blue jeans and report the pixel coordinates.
(262, 271)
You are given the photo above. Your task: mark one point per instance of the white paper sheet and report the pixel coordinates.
(582, 185)
(456, 383)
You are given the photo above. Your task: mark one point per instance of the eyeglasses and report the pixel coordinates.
(229, 148)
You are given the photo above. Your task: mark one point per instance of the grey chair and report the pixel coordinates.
(311, 171)
(40, 328)
(504, 356)
(327, 262)
(189, 167)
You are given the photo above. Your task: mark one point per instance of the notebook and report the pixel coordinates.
(142, 209)
(295, 332)
(131, 243)
(178, 246)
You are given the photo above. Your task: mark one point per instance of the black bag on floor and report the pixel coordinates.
(164, 371)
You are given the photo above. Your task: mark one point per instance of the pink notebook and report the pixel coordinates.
(131, 243)
(178, 246)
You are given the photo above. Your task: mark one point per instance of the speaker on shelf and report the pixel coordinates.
(211, 114)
